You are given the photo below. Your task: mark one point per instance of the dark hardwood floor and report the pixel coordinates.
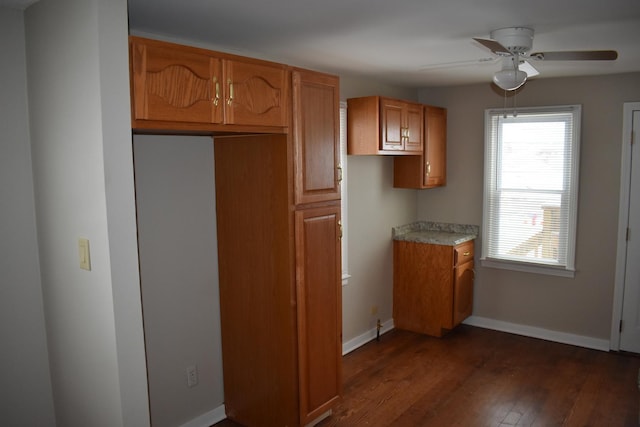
(479, 377)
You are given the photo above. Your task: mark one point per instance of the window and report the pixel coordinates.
(531, 189)
(343, 189)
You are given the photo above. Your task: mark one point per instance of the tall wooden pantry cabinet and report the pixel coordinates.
(277, 184)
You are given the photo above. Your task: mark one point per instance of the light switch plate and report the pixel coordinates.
(83, 251)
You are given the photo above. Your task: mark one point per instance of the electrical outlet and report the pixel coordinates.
(192, 376)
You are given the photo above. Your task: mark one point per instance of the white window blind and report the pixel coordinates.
(531, 182)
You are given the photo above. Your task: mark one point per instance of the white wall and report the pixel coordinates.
(581, 306)
(77, 66)
(175, 192)
(25, 387)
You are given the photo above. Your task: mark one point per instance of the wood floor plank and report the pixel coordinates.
(478, 377)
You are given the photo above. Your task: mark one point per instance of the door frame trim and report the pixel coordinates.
(623, 221)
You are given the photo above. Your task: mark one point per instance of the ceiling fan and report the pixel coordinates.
(513, 45)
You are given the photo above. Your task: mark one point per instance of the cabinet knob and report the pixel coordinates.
(339, 173)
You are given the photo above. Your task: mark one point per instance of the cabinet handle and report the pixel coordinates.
(466, 253)
(340, 229)
(216, 100)
(230, 100)
(428, 168)
(339, 173)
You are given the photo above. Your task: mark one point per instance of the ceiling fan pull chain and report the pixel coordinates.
(505, 104)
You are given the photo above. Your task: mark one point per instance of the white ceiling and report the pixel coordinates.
(17, 4)
(401, 41)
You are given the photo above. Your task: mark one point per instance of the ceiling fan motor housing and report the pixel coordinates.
(517, 40)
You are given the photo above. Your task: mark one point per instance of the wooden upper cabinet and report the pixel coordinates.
(378, 125)
(401, 125)
(429, 169)
(435, 148)
(175, 83)
(172, 83)
(316, 132)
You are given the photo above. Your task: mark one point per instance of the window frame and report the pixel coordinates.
(343, 192)
(569, 195)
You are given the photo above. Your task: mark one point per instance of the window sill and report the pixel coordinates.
(528, 268)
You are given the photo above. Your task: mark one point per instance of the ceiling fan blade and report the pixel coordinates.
(492, 45)
(463, 63)
(528, 68)
(577, 55)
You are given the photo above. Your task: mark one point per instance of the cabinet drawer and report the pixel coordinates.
(463, 253)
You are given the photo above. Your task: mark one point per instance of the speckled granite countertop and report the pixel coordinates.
(437, 233)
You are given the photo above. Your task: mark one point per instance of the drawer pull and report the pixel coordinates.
(467, 253)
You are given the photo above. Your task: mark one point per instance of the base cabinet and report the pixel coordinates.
(432, 286)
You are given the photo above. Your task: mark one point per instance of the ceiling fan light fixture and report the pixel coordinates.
(509, 79)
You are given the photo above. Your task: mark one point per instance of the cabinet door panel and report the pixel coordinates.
(255, 94)
(422, 287)
(174, 84)
(463, 292)
(415, 118)
(318, 288)
(316, 136)
(435, 149)
(392, 125)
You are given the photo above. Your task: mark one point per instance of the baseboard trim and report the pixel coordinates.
(541, 333)
(208, 419)
(368, 336)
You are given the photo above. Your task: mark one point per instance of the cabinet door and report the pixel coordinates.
(463, 292)
(435, 148)
(429, 169)
(316, 130)
(255, 93)
(318, 298)
(392, 125)
(174, 83)
(414, 128)
(422, 287)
